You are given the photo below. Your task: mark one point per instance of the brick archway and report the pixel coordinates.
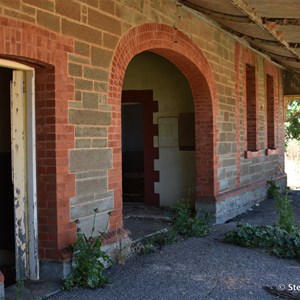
(182, 52)
(47, 53)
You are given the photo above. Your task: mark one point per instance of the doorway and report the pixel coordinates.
(170, 128)
(18, 214)
(7, 231)
(133, 152)
(138, 150)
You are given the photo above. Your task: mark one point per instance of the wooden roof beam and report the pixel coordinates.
(268, 27)
(281, 21)
(216, 14)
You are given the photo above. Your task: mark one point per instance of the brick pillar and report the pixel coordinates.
(54, 183)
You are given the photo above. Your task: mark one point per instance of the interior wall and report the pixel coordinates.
(149, 71)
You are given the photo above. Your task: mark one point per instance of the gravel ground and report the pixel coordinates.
(201, 268)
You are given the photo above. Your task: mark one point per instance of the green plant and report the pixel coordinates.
(281, 240)
(147, 247)
(284, 207)
(88, 262)
(273, 189)
(163, 238)
(19, 288)
(170, 237)
(187, 224)
(275, 240)
(122, 250)
(183, 223)
(292, 125)
(150, 244)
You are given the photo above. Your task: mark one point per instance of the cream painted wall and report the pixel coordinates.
(148, 71)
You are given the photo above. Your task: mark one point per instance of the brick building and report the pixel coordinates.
(202, 115)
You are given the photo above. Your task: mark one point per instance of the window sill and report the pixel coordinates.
(252, 154)
(272, 151)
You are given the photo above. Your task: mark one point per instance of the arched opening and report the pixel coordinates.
(158, 137)
(180, 53)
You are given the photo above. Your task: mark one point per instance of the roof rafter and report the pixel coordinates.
(216, 14)
(281, 21)
(268, 27)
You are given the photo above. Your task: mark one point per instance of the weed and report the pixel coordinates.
(119, 255)
(187, 225)
(163, 238)
(121, 252)
(150, 244)
(147, 247)
(273, 189)
(281, 240)
(275, 240)
(168, 238)
(19, 288)
(183, 223)
(88, 262)
(284, 208)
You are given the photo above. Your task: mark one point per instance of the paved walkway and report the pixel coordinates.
(201, 268)
(141, 220)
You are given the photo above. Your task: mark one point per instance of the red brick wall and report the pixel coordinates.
(83, 49)
(43, 50)
(180, 50)
(246, 166)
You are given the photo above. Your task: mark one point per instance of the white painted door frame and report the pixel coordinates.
(32, 217)
(23, 136)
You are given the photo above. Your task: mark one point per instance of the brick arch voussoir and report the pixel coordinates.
(178, 48)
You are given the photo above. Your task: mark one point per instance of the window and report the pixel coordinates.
(270, 113)
(186, 131)
(251, 108)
